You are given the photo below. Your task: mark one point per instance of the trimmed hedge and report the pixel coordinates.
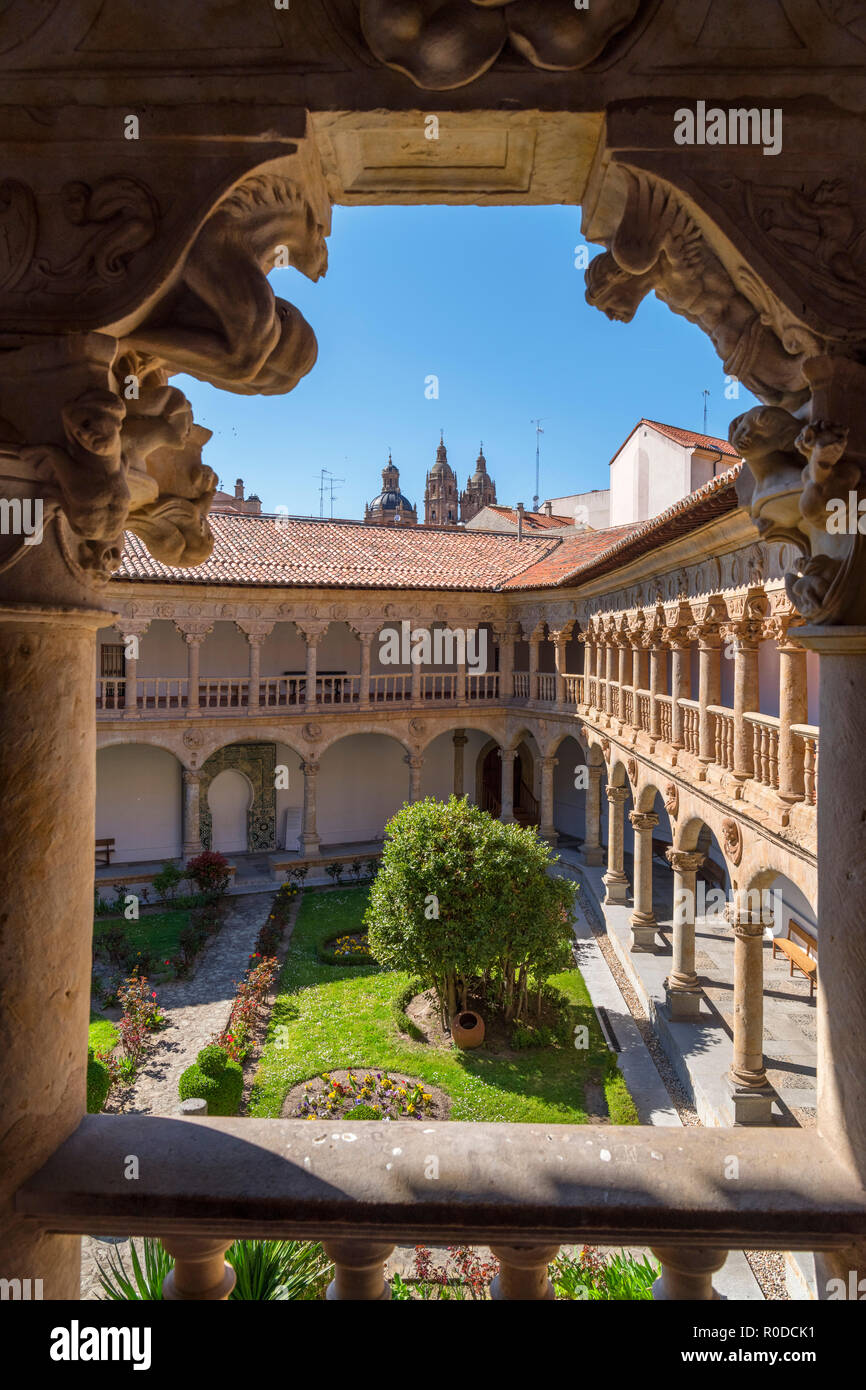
(215, 1078)
(98, 1083)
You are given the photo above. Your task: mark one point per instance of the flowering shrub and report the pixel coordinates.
(234, 1038)
(375, 1091)
(141, 1016)
(351, 945)
(465, 1276)
(210, 870)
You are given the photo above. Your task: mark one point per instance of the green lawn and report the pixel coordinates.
(343, 1016)
(159, 931)
(102, 1035)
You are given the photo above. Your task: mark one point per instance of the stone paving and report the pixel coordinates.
(196, 1009)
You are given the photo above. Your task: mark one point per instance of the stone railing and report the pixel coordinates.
(280, 691)
(523, 1190)
(691, 723)
(337, 690)
(521, 685)
(110, 693)
(393, 687)
(546, 687)
(723, 735)
(613, 693)
(482, 686)
(222, 692)
(644, 707)
(765, 748)
(808, 736)
(626, 710)
(663, 703)
(573, 690)
(439, 685)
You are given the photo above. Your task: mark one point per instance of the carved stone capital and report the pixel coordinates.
(255, 632)
(312, 632)
(684, 861)
(643, 820)
(617, 795)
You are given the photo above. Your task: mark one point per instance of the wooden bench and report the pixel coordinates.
(804, 956)
(104, 850)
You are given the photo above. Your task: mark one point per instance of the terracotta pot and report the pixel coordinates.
(467, 1029)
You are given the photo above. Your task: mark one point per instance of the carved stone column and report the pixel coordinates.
(709, 691)
(615, 880)
(191, 813)
(752, 1096)
(609, 658)
(680, 684)
(643, 919)
(658, 683)
(547, 830)
(416, 764)
(506, 814)
(560, 638)
(366, 640)
(309, 834)
(534, 640)
(746, 698)
(623, 670)
(256, 634)
(194, 634)
(460, 741)
(131, 627)
(793, 709)
(505, 635)
(312, 634)
(682, 986)
(639, 672)
(416, 685)
(592, 851)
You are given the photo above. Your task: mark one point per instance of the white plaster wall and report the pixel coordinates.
(794, 904)
(362, 781)
(569, 803)
(768, 677)
(649, 474)
(163, 651)
(283, 650)
(138, 801)
(229, 796)
(224, 652)
(290, 800)
(595, 507)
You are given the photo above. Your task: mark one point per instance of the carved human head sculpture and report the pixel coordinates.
(616, 292)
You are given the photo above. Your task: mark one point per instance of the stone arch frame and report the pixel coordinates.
(323, 744)
(256, 761)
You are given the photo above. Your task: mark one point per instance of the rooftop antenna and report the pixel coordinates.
(705, 393)
(323, 474)
(538, 431)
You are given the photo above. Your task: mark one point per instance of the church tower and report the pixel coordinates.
(390, 507)
(480, 490)
(441, 499)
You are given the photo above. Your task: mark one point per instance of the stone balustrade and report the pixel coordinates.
(723, 736)
(807, 734)
(523, 1190)
(765, 748)
(664, 703)
(691, 725)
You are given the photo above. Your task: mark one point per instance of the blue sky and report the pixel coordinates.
(489, 300)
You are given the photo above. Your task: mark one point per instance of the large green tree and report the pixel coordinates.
(465, 902)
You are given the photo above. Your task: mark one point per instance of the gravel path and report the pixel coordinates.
(196, 1009)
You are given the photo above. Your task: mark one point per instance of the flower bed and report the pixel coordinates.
(364, 1094)
(350, 949)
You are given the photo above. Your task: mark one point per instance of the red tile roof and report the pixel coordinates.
(533, 521)
(621, 544)
(688, 438)
(283, 551)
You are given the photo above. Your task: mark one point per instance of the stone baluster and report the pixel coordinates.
(460, 741)
(309, 835)
(793, 709)
(131, 628)
(415, 763)
(752, 1096)
(256, 634)
(359, 1271)
(507, 756)
(592, 850)
(615, 880)
(200, 1269)
(191, 812)
(687, 1273)
(682, 986)
(194, 634)
(523, 1273)
(643, 920)
(547, 829)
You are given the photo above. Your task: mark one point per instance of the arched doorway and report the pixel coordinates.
(229, 798)
(526, 806)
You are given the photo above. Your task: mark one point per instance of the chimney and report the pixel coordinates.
(239, 490)
(520, 510)
(547, 508)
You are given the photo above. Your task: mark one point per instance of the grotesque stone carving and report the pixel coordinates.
(223, 323)
(658, 246)
(443, 44)
(672, 800)
(732, 836)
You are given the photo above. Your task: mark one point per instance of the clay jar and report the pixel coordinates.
(467, 1029)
